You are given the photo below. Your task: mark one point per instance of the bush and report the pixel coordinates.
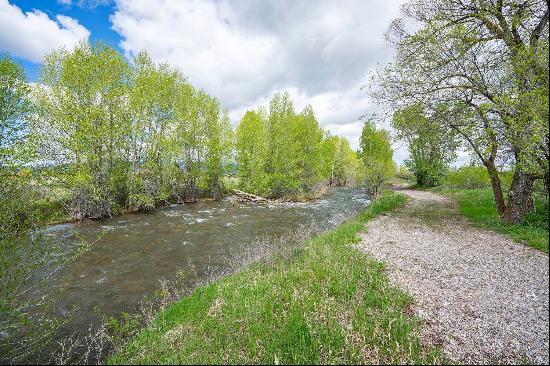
(468, 177)
(426, 175)
(475, 177)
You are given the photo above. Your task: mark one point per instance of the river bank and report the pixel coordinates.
(324, 302)
(131, 257)
(57, 216)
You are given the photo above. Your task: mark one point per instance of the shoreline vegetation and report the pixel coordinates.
(98, 136)
(322, 302)
(232, 195)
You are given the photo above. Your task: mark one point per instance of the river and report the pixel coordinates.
(130, 254)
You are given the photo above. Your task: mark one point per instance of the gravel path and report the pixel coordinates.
(484, 298)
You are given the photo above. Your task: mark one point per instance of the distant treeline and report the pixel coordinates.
(110, 136)
(283, 153)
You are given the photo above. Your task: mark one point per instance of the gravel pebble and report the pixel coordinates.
(484, 298)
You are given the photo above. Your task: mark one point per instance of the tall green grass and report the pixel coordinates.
(479, 206)
(325, 303)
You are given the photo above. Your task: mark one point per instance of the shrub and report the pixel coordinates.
(427, 175)
(474, 177)
(468, 177)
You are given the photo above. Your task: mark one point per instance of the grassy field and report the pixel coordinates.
(479, 206)
(323, 303)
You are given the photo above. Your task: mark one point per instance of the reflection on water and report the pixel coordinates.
(135, 251)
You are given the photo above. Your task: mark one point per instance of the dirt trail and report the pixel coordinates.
(484, 298)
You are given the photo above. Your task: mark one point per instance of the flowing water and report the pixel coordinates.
(135, 251)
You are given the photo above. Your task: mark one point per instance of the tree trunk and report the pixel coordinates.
(520, 200)
(497, 189)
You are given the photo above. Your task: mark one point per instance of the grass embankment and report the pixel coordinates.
(479, 206)
(324, 303)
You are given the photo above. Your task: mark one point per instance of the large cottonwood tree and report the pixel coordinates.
(487, 61)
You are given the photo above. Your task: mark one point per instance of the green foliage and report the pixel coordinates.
(468, 177)
(127, 137)
(487, 63)
(281, 166)
(473, 177)
(306, 137)
(340, 163)
(80, 122)
(431, 145)
(252, 152)
(377, 157)
(14, 107)
(403, 173)
(299, 310)
(282, 153)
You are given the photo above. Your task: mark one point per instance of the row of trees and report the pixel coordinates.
(105, 136)
(479, 69)
(116, 136)
(281, 152)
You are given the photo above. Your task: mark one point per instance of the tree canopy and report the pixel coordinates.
(377, 157)
(486, 61)
(432, 145)
(284, 153)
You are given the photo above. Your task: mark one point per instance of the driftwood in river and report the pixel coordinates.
(248, 197)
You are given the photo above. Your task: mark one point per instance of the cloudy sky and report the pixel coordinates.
(241, 51)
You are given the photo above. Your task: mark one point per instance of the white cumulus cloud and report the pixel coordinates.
(242, 51)
(32, 35)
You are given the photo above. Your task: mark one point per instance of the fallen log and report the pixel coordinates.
(248, 197)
